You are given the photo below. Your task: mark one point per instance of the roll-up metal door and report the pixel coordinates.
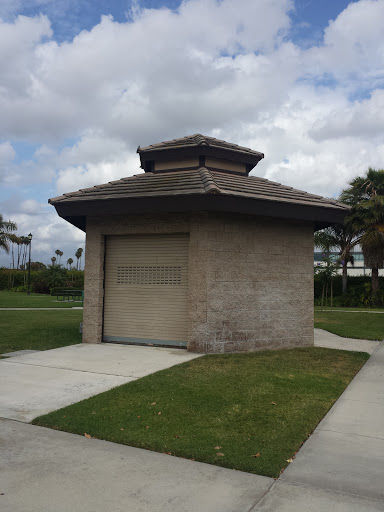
(146, 289)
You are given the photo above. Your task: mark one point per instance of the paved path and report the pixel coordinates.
(43, 470)
(42, 309)
(328, 340)
(339, 469)
(349, 311)
(40, 382)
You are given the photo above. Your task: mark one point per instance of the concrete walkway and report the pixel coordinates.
(42, 309)
(339, 469)
(328, 340)
(40, 382)
(43, 470)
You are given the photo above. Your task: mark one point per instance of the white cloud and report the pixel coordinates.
(30, 207)
(353, 45)
(222, 68)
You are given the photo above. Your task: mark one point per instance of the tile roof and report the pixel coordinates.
(197, 182)
(198, 140)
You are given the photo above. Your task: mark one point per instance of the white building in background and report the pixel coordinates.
(358, 269)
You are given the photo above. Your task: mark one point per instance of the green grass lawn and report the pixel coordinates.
(38, 330)
(366, 326)
(35, 300)
(249, 412)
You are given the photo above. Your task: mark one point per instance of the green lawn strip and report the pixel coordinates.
(35, 300)
(366, 326)
(38, 330)
(256, 409)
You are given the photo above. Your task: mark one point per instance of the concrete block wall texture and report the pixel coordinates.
(251, 284)
(250, 278)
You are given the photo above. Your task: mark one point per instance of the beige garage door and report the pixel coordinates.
(146, 289)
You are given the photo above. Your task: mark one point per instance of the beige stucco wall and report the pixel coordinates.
(229, 165)
(177, 164)
(250, 279)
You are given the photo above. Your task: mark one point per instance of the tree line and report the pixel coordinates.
(57, 261)
(18, 247)
(363, 226)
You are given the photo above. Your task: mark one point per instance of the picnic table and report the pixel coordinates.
(68, 294)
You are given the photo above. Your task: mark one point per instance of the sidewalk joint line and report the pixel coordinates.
(268, 491)
(304, 484)
(69, 369)
(348, 433)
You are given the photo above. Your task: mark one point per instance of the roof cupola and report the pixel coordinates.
(196, 151)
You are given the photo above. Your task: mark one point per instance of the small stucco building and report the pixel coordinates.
(196, 253)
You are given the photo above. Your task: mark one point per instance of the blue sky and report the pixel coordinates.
(84, 82)
(69, 17)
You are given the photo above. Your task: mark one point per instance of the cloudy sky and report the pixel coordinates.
(84, 82)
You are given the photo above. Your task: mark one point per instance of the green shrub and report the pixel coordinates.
(41, 280)
(359, 292)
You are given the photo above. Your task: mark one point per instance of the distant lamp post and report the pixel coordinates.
(29, 263)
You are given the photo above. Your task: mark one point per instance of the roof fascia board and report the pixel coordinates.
(191, 203)
(184, 152)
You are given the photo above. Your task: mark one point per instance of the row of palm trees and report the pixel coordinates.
(57, 261)
(364, 226)
(18, 245)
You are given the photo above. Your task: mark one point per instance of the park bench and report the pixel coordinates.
(67, 294)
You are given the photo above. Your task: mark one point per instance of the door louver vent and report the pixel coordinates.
(152, 275)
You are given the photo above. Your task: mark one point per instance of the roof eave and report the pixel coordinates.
(76, 212)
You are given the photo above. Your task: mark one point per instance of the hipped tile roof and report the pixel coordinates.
(197, 182)
(198, 140)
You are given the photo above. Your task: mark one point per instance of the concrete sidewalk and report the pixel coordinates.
(328, 340)
(40, 382)
(339, 469)
(43, 470)
(341, 466)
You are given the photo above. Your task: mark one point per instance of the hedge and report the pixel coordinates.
(17, 280)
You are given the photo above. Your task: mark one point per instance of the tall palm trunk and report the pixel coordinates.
(344, 279)
(375, 280)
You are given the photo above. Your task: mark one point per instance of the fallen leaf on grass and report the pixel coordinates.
(153, 403)
(273, 403)
(257, 455)
(289, 460)
(218, 447)
(87, 436)
(219, 454)
(121, 429)
(147, 426)
(176, 436)
(158, 413)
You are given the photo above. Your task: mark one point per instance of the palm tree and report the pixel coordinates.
(69, 262)
(15, 240)
(53, 259)
(24, 250)
(59, 255)
(6, 229)
(366, 196)
(343, 239)
(78, 254)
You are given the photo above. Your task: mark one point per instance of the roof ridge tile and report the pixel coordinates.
(208, 181)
